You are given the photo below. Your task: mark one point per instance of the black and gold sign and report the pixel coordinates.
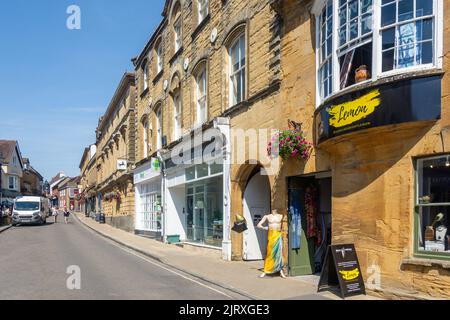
(392, 103)
(341, 269)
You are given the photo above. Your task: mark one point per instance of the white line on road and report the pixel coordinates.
(158, 264)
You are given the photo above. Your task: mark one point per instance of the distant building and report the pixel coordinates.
(11, 172)
(32, 182)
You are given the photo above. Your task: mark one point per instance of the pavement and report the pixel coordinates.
(4, 228)
(236, 276)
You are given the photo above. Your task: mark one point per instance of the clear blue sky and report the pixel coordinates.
(54, 82)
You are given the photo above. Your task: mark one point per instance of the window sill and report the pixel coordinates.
(383, 79)
(175, 56)
(158, 77)
(200, 27)
(426, 262)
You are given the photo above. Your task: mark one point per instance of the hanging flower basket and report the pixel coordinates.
(289, 144)
(110, 196)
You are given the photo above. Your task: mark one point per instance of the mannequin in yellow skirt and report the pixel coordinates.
(274, 258)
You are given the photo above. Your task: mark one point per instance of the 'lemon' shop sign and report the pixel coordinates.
(392, 103)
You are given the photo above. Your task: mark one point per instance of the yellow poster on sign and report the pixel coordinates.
(350, 275)
(349, 112)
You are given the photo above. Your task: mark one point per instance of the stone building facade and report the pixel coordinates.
(116, 156)
(88, 180)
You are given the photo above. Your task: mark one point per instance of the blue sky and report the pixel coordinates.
(54, 82)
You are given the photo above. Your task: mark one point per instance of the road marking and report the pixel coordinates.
(157, 264)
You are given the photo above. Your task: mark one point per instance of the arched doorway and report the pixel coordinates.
(256, 205)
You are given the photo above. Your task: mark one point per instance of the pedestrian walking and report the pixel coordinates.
(55, 214)
(66, 215)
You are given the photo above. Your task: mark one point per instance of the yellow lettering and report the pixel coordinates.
(352, 111)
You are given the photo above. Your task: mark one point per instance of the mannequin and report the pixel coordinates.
(274, 259)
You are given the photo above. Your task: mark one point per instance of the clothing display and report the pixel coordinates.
(311, 214)
(274, 259)
(296, 222)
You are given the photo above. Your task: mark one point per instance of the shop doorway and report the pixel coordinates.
(256, 205)
(309, 222)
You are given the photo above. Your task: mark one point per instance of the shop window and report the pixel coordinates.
(433, 206)
(405, 34)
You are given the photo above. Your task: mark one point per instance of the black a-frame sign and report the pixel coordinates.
(341, 269)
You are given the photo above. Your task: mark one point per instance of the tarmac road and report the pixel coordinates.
(34, 262)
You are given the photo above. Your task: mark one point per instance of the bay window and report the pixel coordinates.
(363, 40)
(433, 206)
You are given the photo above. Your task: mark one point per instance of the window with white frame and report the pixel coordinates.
(159, 122)
(159, 56)
(203, 10)
(177, 116)
(13, 183)
(145, 139)
(360, 40)
(237, 54)
(145, 72)
(177, 27)
(202, 111)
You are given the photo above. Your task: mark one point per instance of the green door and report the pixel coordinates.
(301, 261)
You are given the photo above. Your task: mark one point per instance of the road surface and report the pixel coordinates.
(34, 262)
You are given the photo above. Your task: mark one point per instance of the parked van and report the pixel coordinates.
(30, 210)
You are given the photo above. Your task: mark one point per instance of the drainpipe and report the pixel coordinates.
(163, 196)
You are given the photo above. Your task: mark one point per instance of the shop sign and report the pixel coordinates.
(341, 269)
(122, 165)
(392, 103)
(148, 172)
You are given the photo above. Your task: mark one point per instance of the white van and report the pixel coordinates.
(30, 210)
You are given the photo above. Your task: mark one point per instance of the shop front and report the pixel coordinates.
(389, 160)
(148, 200)
(195, 204)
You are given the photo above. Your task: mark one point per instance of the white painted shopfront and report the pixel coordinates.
(148, 190)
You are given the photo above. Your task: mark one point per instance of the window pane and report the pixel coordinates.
(406, 9)
(354, 29)
(388, 15)
(388, 60)
(405, 34)
(424, 7)
(366, 5)
(343, 35)
(388, 38)
(202, 171)
(424, 29)
(329, 45)
(366, 24)
(406, 56)
(353, 9)
(342, 16)
(424, 53)
(434, 180)
(190, 173)
(433, 227)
